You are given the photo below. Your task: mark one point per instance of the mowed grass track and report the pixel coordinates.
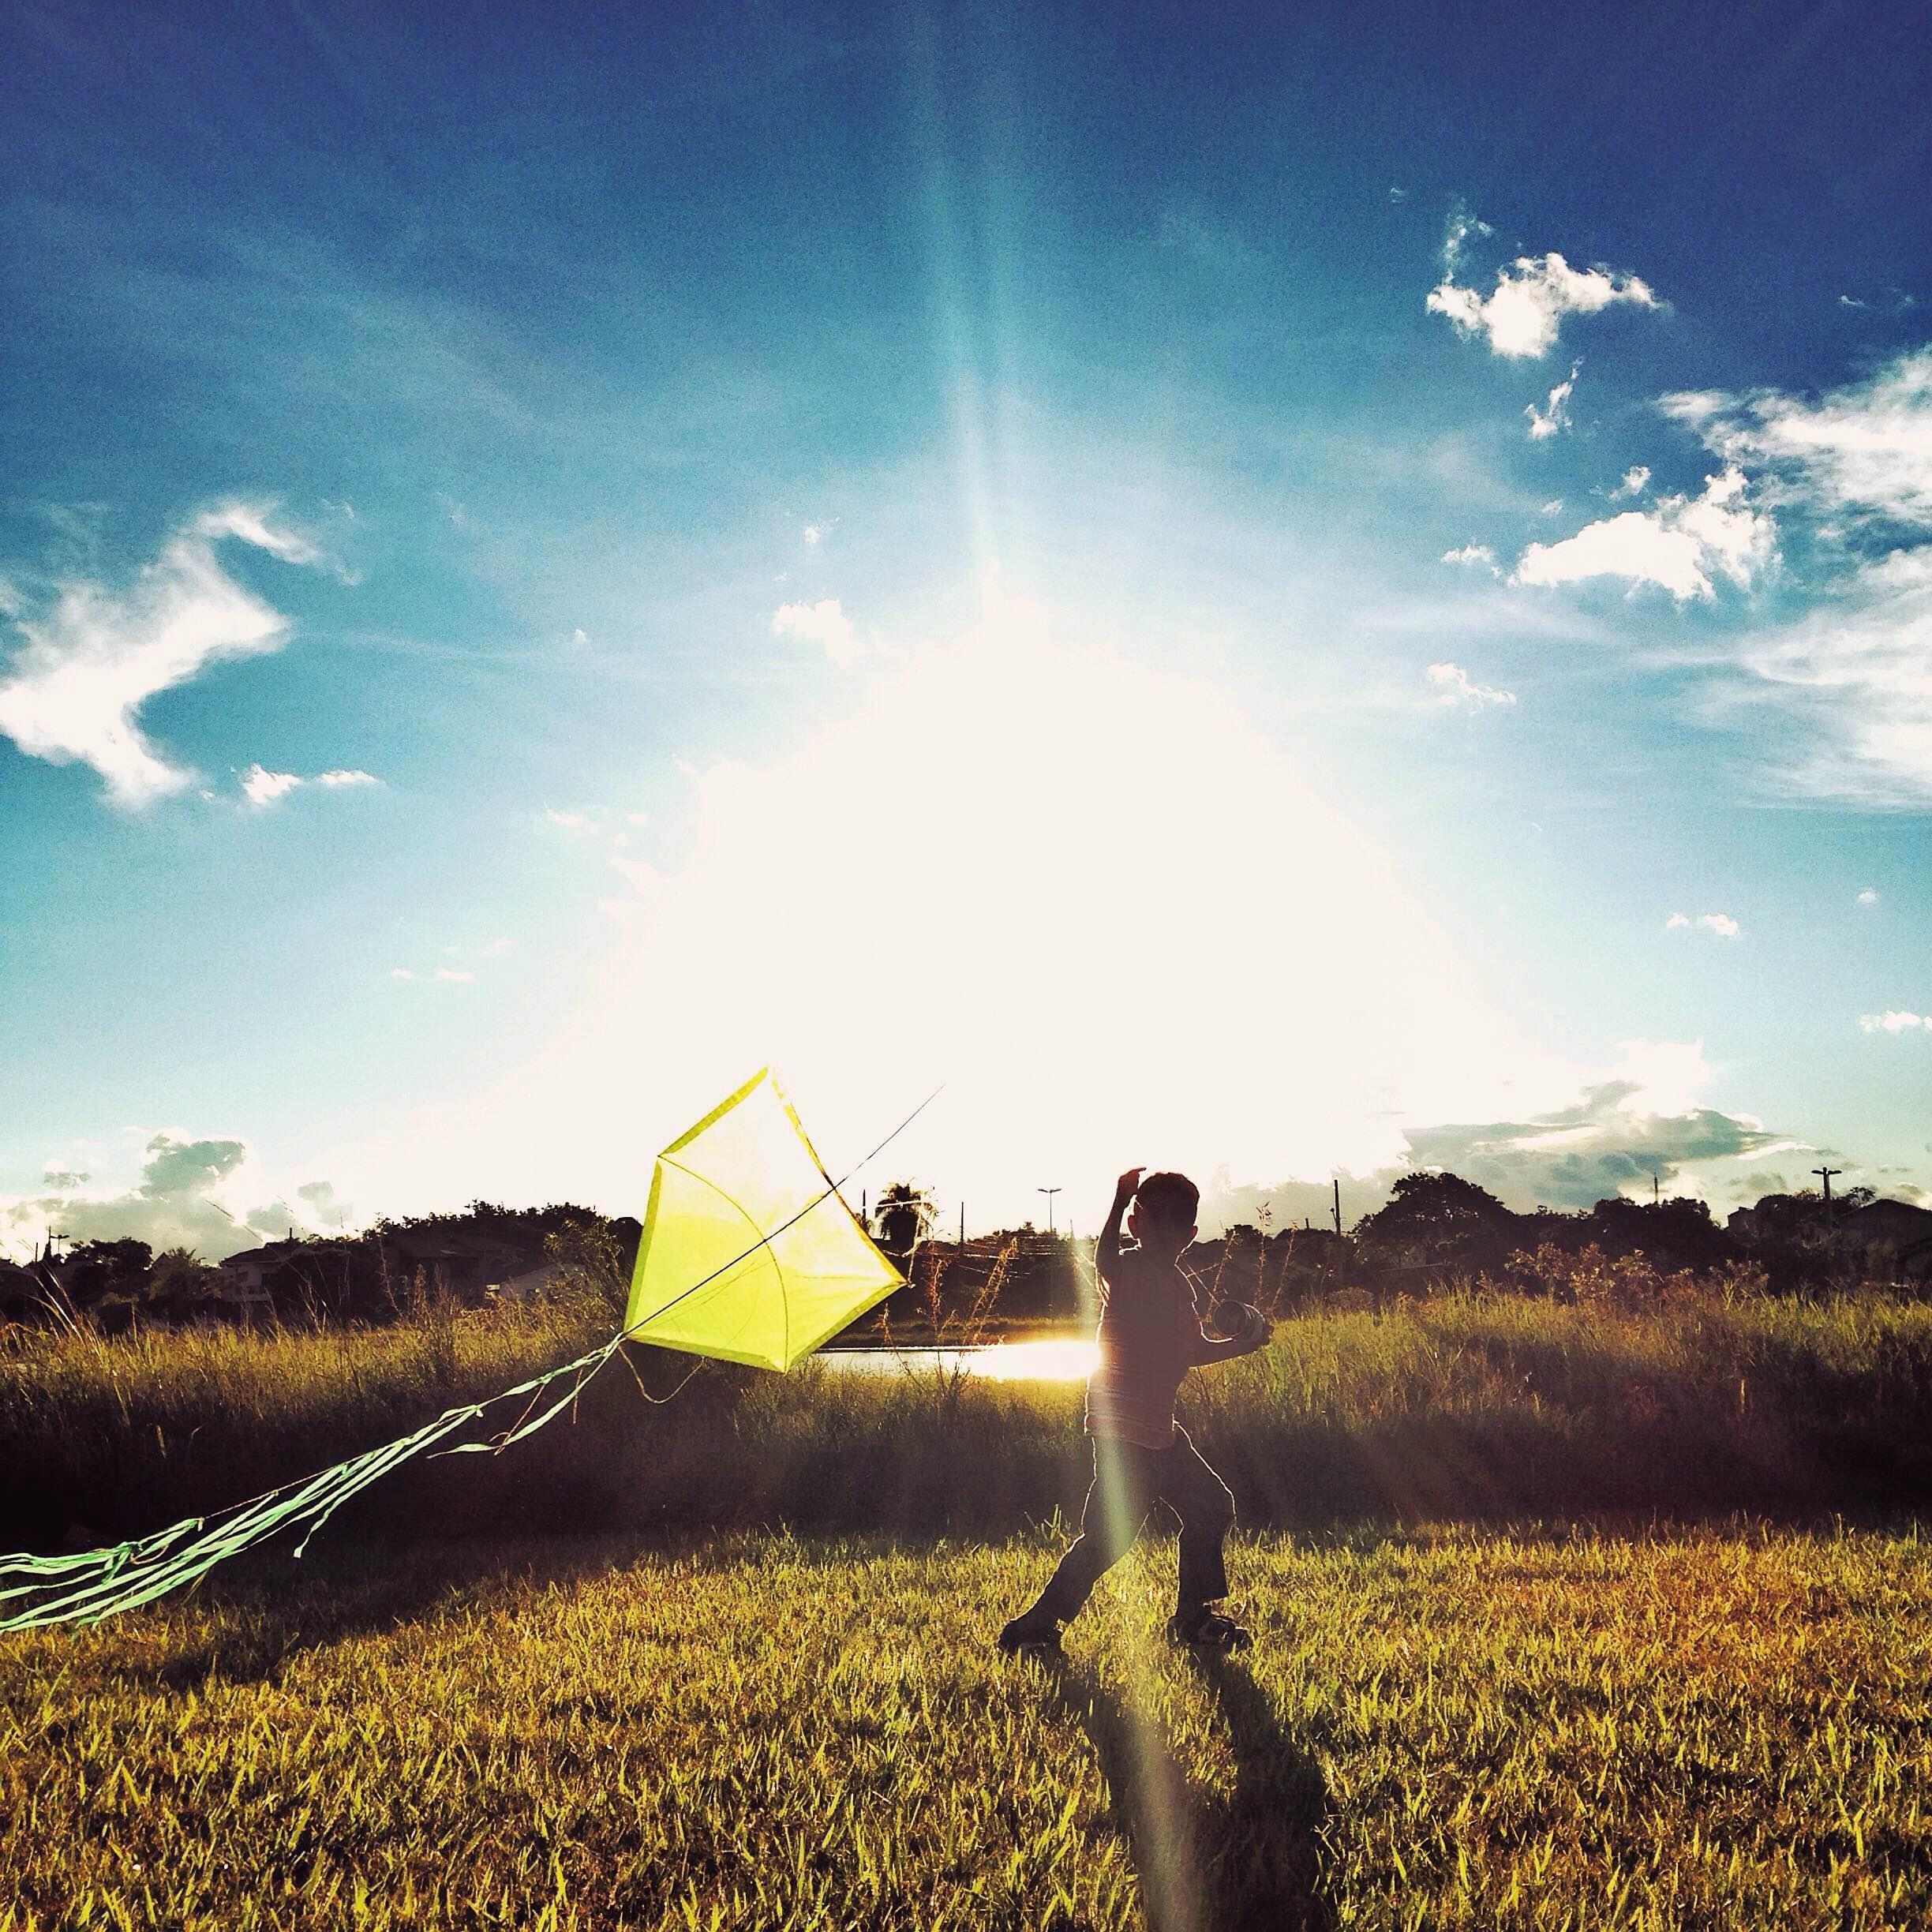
(1702, 1731)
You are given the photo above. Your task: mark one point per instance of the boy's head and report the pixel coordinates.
(1163, 1216)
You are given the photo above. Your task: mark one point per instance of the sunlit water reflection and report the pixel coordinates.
(1055, 1359)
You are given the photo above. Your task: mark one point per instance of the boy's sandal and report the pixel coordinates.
(1208, 1629)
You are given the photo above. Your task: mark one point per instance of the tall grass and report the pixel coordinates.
(113, 1433)
(1471, 1406)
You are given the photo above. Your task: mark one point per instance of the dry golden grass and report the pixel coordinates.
(1490, 1730)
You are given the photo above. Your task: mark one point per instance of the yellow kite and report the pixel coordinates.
(748, 1252)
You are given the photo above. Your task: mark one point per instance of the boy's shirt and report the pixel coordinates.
(1149, 1337)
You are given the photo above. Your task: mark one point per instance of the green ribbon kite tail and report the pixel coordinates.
(730, 1266)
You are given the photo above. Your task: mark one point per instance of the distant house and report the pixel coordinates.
(531, 1284)
(243, 1282)
(246, 1275)
(460, 1262)
(31, 1291)
(291, 1271)
(1906, 1231)
(23, 1295)
(1898, 1225)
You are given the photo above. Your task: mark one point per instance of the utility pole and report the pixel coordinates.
(1653, 1187)
(1825, 1175)
(962, 1224)
(1050, 1192)
(1337, 1204)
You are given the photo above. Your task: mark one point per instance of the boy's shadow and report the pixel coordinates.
(1214, 1861)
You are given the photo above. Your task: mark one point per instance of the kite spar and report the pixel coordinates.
(749, 1254)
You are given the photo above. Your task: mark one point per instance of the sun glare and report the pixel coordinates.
(1094, 901)
(1037, 1362)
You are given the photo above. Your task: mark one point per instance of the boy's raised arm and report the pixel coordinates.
(1106, 1248)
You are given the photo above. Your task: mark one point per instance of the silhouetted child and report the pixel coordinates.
(1150, 1336)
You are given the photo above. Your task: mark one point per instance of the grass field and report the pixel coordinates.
(1477, 1729)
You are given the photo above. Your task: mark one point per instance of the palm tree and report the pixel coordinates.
(903, 1216)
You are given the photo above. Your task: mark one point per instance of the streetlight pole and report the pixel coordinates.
(1050, 1192)
(1825, 1175)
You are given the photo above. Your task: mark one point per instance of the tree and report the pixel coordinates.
(102, 1268)
(1674, 1233)
(1440, 1218)
(903, 1216)
(1799, 1216)
(180, 1281)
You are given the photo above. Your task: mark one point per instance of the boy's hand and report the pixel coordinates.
(1124, 1188)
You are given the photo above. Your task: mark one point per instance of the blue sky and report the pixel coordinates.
(1217, 585)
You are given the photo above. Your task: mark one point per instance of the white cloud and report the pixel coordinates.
(1472, 553)
(1553, 507)
(1865, 448)
(816, 534)
(1677, 544)
(570, 820)
(450, 973)
(1859, 667)
(1522, 315)
(1721, 923)
(1636, 480)
(207, 1193)
(263, 786)
(1461, 225)
(1857, 463)
(91, 662)
(1895, 1022)
(249, 523)
(1452, 686)
(1548, 422)
(1641, 1118)
(824, 623)
(1868, 898)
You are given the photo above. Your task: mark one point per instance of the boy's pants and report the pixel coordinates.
(1127, 1479)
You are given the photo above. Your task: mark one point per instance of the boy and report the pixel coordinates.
(1149, 1337)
